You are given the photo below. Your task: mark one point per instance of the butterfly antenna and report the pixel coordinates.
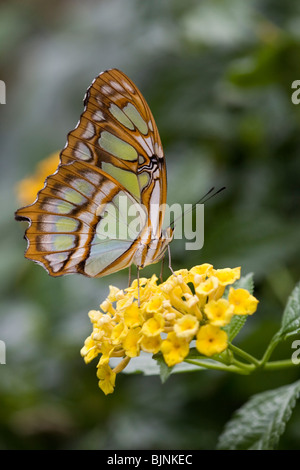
(202, 200)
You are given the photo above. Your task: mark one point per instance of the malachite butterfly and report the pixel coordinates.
(114, 155)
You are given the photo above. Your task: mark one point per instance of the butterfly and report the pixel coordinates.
(112, 159)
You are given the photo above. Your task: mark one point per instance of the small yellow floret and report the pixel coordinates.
(133, 316)
(227, 276)
(107, 378)
(211, 340)
(186, 327)
(174, 349)
(131, 342)
(151, 344)
(154, 326)
(219, 312)
(244, 303)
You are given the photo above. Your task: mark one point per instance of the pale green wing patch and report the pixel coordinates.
(128, 179)
(120, 116)
(133, 114)
(117, 147)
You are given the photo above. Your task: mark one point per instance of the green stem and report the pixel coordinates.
(244, 355)
(216, 366)
(242, 365)
(241, 368)
(272, 345)
(275, 365)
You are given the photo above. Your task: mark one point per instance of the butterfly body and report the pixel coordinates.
(111, 169)
(152, 250)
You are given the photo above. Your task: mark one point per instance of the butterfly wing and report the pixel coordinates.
(117, 133)
(114, 151)
(67, 223)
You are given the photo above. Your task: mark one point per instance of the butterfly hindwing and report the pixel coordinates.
(67, 222)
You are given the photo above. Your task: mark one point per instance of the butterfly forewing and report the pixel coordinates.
(117, 133)
(114, 152)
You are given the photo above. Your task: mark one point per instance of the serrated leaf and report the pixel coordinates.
(165, 370)
(290, 324)
(246, 282)
(236, 324)
(259, 424)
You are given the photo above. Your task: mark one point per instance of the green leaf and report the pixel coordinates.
(259, 424)
(236, 324)
(165, 370)
(290, 324)
(238, 321)
(245, 282)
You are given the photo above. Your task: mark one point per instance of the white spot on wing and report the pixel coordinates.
(117, 86)
(98, 116)
(82, 152)
(93, 177)
(89, 131)
(146, 143)
(158, 150)
(128, 87)
(106, 90)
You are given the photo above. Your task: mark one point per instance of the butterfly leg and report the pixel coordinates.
(162, 269)
(129, 276)
(170, 265)
(138, 286)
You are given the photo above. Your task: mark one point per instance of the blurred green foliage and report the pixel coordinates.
(217, 76)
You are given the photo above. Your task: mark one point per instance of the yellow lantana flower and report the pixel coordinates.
(186, 327)
(243, 302)
(187, 306)
(131, 342)
(211, 340)
(227, 276)
(151, 344)
(154, 326)
(206, 289)
(219, 312)
(107, 378)
(133, 316)
(90, 350)
(174, 349)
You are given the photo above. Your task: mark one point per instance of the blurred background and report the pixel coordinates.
(217, 76)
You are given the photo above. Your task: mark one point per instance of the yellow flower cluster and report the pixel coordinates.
(187, 306)
(28, 188)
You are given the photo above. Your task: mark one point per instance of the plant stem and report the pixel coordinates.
(244, 355)
(216, 366)
(272, 345)
(275, 365)
(241, 368)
